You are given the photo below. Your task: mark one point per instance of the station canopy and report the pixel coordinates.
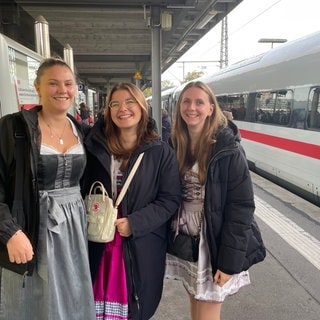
(112, 40)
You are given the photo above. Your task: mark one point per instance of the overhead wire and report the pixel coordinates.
(241, 27)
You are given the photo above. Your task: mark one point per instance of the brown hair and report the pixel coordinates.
(144, 131)
(181, 139)
(49, 63)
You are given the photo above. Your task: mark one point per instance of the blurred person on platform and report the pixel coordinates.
(228, 114)
(84, 113)
(166, 125)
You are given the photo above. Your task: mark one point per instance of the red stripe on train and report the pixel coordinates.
(306, 149)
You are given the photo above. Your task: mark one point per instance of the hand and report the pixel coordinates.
(19, 248)
(123, 227)
(221, 278)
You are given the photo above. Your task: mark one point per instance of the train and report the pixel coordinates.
(274, 100)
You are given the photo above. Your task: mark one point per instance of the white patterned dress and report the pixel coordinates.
(197, 276)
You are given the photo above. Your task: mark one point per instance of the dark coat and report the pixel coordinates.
(23, 214)
(234, 239)
(152, 198)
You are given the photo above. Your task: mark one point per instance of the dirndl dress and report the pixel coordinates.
(197, 277)
(60, 287)
(110, 285)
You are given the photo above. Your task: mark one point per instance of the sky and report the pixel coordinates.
(250, 21)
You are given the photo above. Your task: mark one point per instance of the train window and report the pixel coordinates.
(235, 104)
(314, 109)
(223, 102)
(274, 107)
(283, 107)
(250, 107)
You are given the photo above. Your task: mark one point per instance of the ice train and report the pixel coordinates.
(274, 99)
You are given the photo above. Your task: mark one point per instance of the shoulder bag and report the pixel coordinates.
(184, 246)
(101, 212)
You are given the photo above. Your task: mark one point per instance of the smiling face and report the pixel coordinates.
(127, 113)
(195, 107)
(56, 88)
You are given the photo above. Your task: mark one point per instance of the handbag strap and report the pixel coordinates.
(94, 186)
(128, 180)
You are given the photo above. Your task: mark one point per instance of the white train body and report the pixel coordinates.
(274, 98)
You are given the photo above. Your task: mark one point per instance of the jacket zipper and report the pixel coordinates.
(131, 261)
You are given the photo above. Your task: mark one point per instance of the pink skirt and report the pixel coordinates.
(110, 287)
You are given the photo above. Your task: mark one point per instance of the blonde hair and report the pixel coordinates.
(181, 139)
(144, 131)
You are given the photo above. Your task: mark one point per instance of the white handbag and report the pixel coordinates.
(101, 213)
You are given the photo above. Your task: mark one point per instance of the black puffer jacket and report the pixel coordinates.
(234, 239)
(152, 198)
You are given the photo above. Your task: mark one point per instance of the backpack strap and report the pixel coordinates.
(19, 136)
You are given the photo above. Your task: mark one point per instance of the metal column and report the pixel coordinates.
(156, 65)
(41, 27)
(68, 56)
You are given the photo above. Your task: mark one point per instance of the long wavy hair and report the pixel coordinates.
(181, 140)
(145, 132)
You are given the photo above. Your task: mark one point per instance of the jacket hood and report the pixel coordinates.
(235, 130)
(227, 137)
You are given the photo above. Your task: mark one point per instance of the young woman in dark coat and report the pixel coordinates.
(217, 203)
(128, 272)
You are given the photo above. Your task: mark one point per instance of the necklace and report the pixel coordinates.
(52, 133)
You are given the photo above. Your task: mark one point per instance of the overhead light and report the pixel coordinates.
(166, 21)
(272, 41)
(206, 19)
(168, 60)
(181, 45)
